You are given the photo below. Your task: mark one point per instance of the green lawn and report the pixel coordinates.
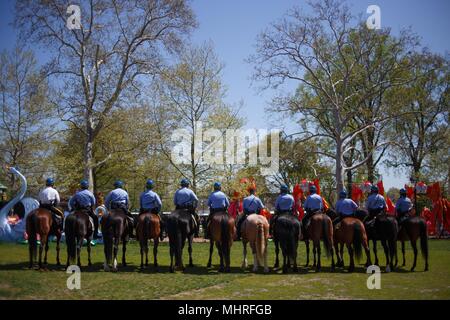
(17, 282)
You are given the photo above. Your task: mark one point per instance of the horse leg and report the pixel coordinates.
(79, 246)
(89, 252)
(285, 267)
(58, 242)
(295, 268)
(141, 243)
(219, 250)
(124, 251)
(352, 260)
(403, 253)
(172, 253)
(341, 251)
(319, 266)
(375, 251)
(41, 248)
(46, 252)
(386, 253)
(277, 252)
(115, 251)
(338, 258)
(255, 262)
(314, 256)
(266, 268)
(211, 249)
(414, 246)
(244, 262)
(367, 250)
(155, 252)
(333, 265)
(190, 239)
(307, 253)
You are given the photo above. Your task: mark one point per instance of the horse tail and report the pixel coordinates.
(178, 243)
(423, 239)
(224, 235)
(69, 231)
(326, 235)
(357, 240)
(146, 227)
(260, 242)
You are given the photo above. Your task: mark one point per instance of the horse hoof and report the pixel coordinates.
(295, 269)
(255, 269)
(221, 269)
(426, 268)
(227, 270)
(351, 269)
(208, 265)
(412, 269)
(276, 265)
(388, 269)
(285, 270)
(266, 270)
(172, 270)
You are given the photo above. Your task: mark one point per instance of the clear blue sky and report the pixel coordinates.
(233, 25)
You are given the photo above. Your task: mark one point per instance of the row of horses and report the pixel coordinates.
(352, 232)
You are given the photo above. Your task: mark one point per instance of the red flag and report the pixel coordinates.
(390, 206)
(380, 187)
(357, 193)
(430, 220)
(316, 183)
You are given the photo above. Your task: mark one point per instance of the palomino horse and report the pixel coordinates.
(222, 230)
(320, 227)
(385, 229)
(40, 222)
(114, 229)
(148, 227)
(255, 229)
(286, 234)
(180, 226)
(412, 229)
(78, 227)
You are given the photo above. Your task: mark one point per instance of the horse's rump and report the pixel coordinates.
(148, 226)
(287, 232)
(221, 222)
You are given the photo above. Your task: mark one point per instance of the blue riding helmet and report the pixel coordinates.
(184, 183)
(312, 189)
(403, 192)
(49, 182)
(343, 194)
(217, 186)
(149, 184)
(84, 184)
(284, 188)
(118, 184)
(374, 189)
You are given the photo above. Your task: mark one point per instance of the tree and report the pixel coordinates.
(102, 64)
(191, 98)
(322, 54)
(25, 124)
(422, 132)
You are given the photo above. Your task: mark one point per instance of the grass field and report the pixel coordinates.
(18, 282)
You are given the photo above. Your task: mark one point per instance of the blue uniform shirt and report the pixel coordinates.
(150, 200)
(218, 200)
(403, 204)
(375, 201)
(117, 195)
(284, 202)
(313, 202)
(83, 198)
(185, 197)
(346, 207)
(252, 203)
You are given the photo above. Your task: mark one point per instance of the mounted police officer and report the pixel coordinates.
(283, 205)
(375, 203)
(49, 199)
(251, 204)
(313, 204)
(118, 199)
(151, 203)
(403, 206)
(84, 200)
(344, 207)
(217, 202)
(185, 198)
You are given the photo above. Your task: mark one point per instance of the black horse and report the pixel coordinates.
(412, 229)
(383, 228)
(286, 233)
(180, 226)
(77, 227)
(115, 227)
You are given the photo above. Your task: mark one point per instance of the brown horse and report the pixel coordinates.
(255, 229)
(40, 222)
(222, 230)
(351, 232)
(320, 227)
(114, 229)
(77, 228)
(148, 227)
(411, 229)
